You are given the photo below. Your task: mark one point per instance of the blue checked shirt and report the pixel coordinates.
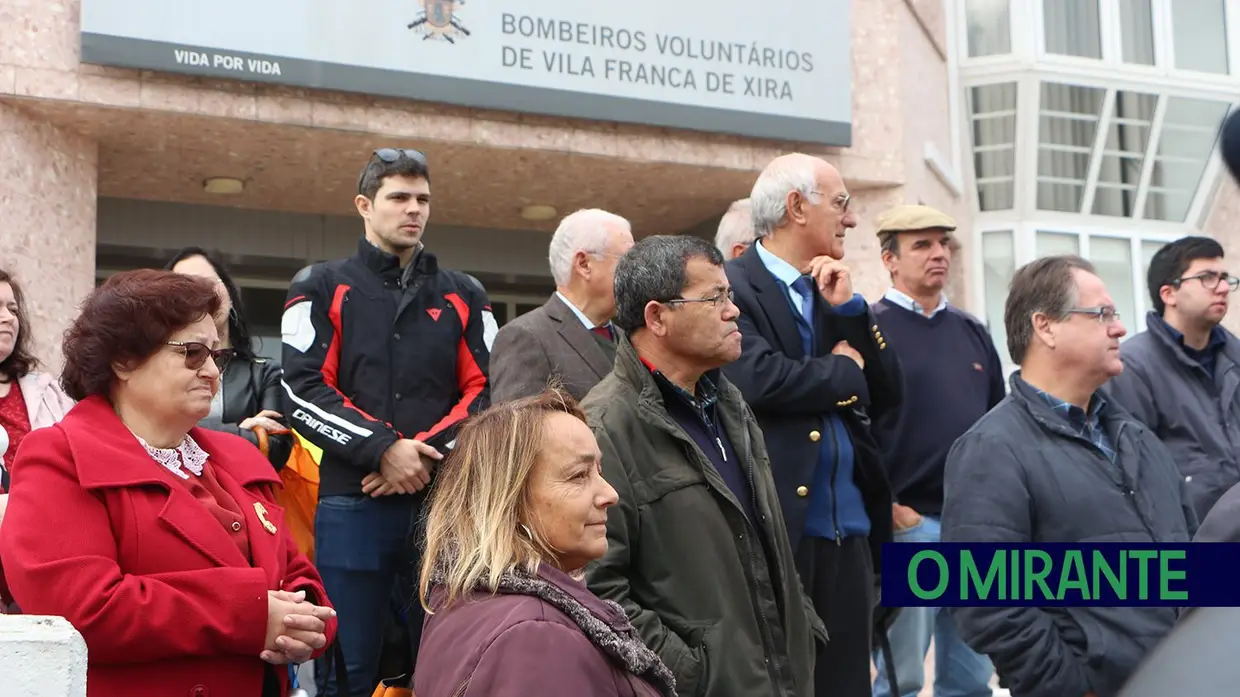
(1087, 426)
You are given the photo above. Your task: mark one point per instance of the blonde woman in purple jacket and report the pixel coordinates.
(518, 510)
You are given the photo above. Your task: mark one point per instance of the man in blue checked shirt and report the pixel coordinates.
(1056, 462)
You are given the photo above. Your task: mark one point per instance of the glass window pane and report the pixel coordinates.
(1188, 133)
(990, 27)
(1051, 243)
(1137, 32)
(500, 312)
(1112, 257)
(1200, 34)
(1073, 28)
(1067, 126)
(999, 264)
(263, 307)
(993, 130)
(1128, 137)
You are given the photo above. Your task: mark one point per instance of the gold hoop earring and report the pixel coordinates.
(525, 528)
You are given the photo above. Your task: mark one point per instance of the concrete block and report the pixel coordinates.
(41, 657)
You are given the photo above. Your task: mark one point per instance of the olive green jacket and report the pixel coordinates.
(717, 599)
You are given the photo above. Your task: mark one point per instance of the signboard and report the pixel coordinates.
(772, 69)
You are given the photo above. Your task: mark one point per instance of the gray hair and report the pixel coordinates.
(769, 198)
(1044, 285)
(736, 227)
(654, 270)
(581, 231)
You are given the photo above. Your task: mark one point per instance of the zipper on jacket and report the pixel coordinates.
(768, 639)
(1129, 492)
(835, 468)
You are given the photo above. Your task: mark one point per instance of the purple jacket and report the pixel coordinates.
(546, 635)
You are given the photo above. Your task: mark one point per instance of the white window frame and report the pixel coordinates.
(1029, 47)
(1028, 108)
(1024, 242)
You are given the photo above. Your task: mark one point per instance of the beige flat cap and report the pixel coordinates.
(910, 217)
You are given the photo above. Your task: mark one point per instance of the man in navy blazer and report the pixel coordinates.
(815, 369)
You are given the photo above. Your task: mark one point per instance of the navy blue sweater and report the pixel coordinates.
(699, 417)
(952, 377)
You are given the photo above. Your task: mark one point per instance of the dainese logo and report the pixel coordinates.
(439, 21)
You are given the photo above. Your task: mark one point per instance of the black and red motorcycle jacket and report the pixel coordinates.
(374, 353)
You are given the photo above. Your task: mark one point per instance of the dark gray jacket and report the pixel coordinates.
(1022, 474)
(716, 596)
(1196, 415)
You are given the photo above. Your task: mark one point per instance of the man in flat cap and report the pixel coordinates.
(952, 376)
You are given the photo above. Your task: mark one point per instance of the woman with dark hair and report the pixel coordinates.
(250, 396)
(37, 400)
(159, 540)
(28, 399)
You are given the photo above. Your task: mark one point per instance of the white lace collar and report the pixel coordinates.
(186, 456)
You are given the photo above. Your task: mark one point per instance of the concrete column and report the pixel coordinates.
(48, 195)
(41, 657)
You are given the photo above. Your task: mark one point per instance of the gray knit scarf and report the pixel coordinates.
(623, 644)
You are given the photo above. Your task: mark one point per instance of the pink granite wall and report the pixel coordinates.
(47, 222)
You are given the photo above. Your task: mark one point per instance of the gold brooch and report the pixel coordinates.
(262, 517)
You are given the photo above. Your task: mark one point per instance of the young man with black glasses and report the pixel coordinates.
(385, 354)
(1182, 377)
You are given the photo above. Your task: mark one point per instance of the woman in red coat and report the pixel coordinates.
(159, 541)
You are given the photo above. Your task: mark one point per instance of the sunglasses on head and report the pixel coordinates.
(390, 155)
(196, 354)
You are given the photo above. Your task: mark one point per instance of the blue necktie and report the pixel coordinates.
(804, 287)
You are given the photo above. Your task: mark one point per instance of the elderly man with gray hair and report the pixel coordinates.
(735, 232)
(569, 339)
(816, 370)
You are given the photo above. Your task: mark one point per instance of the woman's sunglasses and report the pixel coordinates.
(196, 354)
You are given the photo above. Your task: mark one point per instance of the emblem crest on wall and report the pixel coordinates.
(438, 21)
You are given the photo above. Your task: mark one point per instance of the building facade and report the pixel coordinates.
(129, 129)
(1093, 128)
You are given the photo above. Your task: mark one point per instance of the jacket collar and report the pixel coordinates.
(575, 334)
(33, 386)
(387, 266)
(1173, 339)
(107, 454)
(772, 301)
(1034, 400)
(603, 622)
(633, 371)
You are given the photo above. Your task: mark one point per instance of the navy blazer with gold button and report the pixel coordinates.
(791, 393)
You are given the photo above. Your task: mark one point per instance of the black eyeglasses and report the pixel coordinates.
(390, 155)
(196, 354)
(716, 299)
(1211, 279)
(1104, 315)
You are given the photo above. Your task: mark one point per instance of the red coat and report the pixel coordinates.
(99, 533)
